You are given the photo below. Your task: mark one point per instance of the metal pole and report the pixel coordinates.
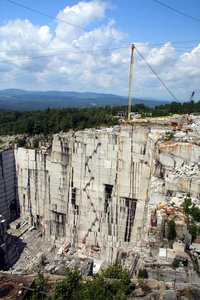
(130, 83)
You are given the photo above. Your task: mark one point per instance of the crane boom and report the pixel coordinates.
(191, 97)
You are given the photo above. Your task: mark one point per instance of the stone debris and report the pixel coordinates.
(191, 172)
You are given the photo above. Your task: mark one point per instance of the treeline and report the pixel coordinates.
(176, 108)
(55, 120)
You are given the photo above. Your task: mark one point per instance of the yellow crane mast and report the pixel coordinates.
(130, 83)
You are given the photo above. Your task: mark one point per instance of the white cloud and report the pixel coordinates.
(80, 15)
(80, 59)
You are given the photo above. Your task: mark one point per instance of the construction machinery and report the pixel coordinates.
(178, 127)
(191, 97)
(189, 121)
(130, 83)
(186, 130)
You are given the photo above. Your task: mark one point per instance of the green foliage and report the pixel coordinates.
(35, 142)
(168, 136)
(55, 120)
(175, 263)
(176, 108)
(142, 274)
(186, 203)
(116, 271)
(21, 142)
(186, 294)
(64, 288)
(98, 287)
(193, 230)
(185, 263)
(171, 230)
(196, 264)
(40, 286)
(195, 212)
(42, 260)
(113, 271)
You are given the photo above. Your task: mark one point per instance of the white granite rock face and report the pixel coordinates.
(92, 190)
(94, 186)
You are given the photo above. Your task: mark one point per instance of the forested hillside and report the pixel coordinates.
(55, 120)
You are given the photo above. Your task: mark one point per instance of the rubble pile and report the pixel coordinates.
(191, 172)
(37, 253)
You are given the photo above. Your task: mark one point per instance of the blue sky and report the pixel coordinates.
(87, 47)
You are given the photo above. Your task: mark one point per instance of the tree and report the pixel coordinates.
(40, 287)
(171, 230)
(21, 142)
(195, 212)
(114, 270)
(35, 142)
(65, 288)
(142, 274)
(37, 127)
(175, 263)
(186, 203)
(193, 231)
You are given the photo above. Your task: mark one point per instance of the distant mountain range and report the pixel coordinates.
(16, 99)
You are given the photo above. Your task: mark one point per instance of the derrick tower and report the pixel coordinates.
(130, 82)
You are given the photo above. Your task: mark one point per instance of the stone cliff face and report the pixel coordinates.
(9, 207)
(175, 162)
(93, 188)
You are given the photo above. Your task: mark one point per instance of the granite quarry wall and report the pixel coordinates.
(93, 187)
(91, 190)
(9, 206)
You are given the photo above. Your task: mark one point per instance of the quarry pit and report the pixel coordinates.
(88, 200)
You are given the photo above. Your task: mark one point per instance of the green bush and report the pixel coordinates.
(35, 143)
(175, 263)
(21, 142)
(40, 286)
(143, 274)
(73, 287)
(186, 203)
(168, 136)
(193, 230)
(113, 271)
(171, 230)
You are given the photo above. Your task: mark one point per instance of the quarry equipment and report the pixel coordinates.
(166, 123)
(191, 97)
(178, 127)
(190, 121)
(130, 82)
